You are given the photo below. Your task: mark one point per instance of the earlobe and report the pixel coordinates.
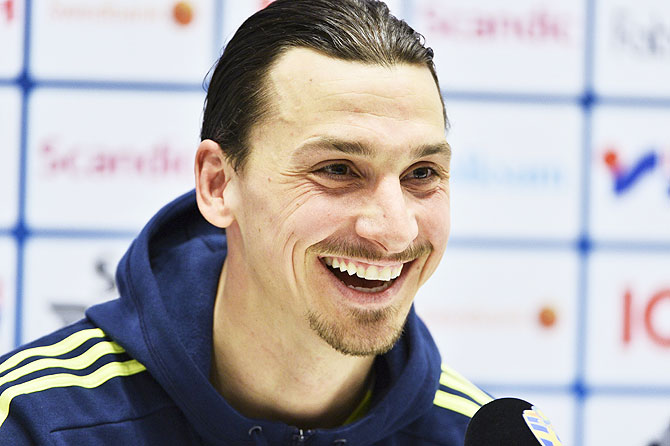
(213, 175)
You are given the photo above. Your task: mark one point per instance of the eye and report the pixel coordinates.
(424, 178)
(421, 173)
(337, 171)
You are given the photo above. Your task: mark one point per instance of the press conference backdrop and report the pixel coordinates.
(556, 282)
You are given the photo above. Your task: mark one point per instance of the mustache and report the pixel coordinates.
(341, 248)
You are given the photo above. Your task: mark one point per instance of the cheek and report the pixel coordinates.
(293, 218)
(435, 221)
(317, 218)
(434, 227)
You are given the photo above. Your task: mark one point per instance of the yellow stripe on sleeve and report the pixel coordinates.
(95, 379)
(449, 371)
(77, 363)
(66, 345)
(454, 403)
(453, 379)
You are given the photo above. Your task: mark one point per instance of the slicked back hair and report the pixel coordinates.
(352, 30)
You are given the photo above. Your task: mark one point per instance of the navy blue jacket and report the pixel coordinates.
(135, 371)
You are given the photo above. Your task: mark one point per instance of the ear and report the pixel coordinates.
(213, 189)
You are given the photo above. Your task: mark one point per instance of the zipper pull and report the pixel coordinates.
(301, 437)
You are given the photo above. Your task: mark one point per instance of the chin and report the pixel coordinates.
(366, 332)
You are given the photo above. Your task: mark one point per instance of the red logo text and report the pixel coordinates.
(642, 318)
(78, 160)
(532, 26)
(7, 10)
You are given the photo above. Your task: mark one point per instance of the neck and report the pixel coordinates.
(266, 371)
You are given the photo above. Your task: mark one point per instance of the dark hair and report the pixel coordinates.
(353, 30)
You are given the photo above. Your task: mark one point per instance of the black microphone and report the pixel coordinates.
(510, 422)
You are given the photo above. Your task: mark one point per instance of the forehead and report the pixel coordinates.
(309, 87)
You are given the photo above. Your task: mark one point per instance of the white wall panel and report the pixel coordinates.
(628, 334)
(10, 125)
(630, 187)
(66, 277)
(520, 46)
(108, 160)
(627, 420)
(151, 40)
(504, 316)
(7, 292)
(632, 48)
(508, 178)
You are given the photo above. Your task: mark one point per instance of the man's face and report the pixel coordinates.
(343, 204)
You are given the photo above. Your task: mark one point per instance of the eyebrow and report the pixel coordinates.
(328, 143)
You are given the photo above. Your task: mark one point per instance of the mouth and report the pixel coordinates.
(363, 277)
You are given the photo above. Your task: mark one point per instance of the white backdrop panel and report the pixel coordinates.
(10, 126)
(520, 46)
(151, 40)
(508, 178)
(504, 316)
(67, 277)
(7, 292)
(626, 420)
(631, 146)
(628, 336)
(632, 48)
(108, 159)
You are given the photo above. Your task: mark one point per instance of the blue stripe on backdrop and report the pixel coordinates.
(586, 100)
(529, 98)
(19, 231)
(114, 85)
(584, 245)
(79, 234)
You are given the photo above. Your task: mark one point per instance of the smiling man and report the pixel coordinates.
(273, 305)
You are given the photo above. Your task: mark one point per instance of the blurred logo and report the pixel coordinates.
(7, 10)
(105, 161)
(547, 317)
(541, 427)
(537, 26)
(649, 315)
(180, 13)
(68, 311)
(625, 177)
(649, 36)
(488, 171)
(544, 317)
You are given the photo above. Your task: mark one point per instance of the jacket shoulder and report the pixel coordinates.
(74, 377)
(456, 401)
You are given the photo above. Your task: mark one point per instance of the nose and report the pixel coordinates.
(385, 217)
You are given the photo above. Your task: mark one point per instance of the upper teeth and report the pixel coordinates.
(370, 272)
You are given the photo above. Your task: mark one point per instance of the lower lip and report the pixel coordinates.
(368, 300)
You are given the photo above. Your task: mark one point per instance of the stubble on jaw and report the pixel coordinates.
(368, 333)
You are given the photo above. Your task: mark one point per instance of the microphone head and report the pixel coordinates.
(510, 421)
